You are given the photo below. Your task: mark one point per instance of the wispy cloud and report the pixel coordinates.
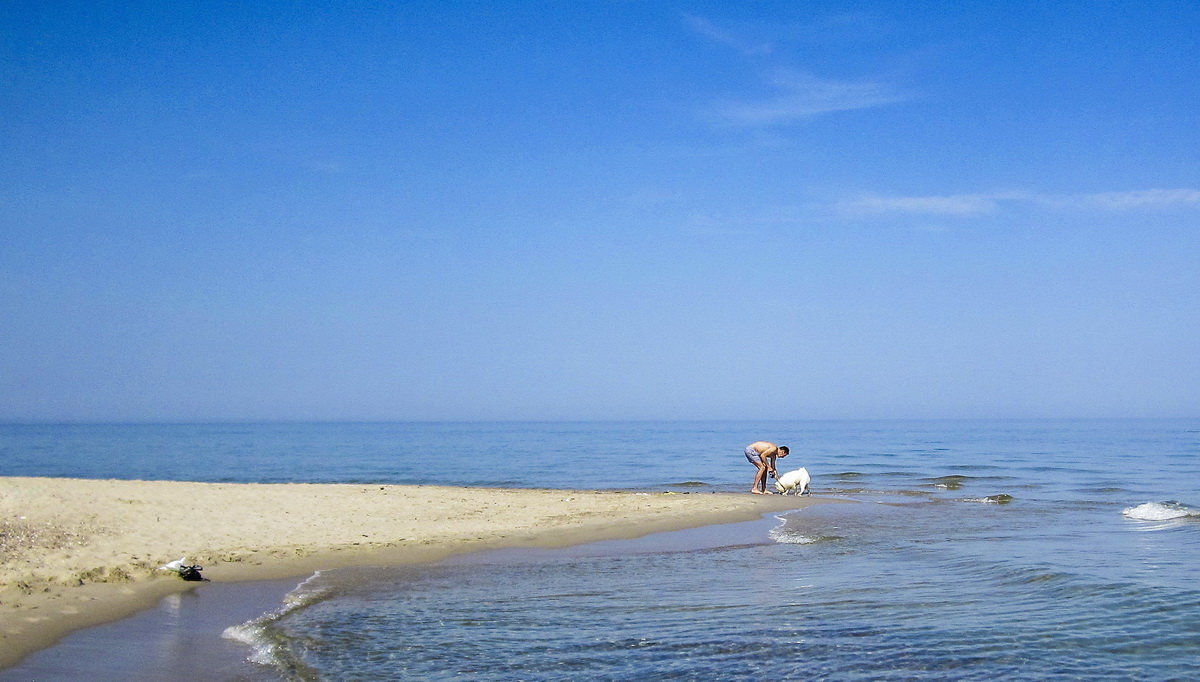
(711, 31)
(790, 94)
(802, 95)
(964, 205)
(954, 205)
(1130, 200)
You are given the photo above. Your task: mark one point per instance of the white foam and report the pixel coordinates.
(1160, 511)
(784, 537)
(253, 633)
(990, 499)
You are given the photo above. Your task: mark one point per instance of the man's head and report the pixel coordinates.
(783, 451)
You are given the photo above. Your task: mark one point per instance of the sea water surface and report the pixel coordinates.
(968, 550)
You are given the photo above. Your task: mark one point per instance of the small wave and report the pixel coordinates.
(1160, 511)
(1002, 498)
(974, 467)
(689, 484)
(790, 537)
(844, 491)
(906, 493)
(952, 482)
(1068, 470)
(254, 634)
(1031, 576)
(875, 491)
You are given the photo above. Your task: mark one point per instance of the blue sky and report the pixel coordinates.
(599, 210)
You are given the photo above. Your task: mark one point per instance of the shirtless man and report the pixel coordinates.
(762, 455)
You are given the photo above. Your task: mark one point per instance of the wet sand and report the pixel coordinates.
(76, 553)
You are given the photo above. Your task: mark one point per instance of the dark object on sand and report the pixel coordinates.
(192, 573)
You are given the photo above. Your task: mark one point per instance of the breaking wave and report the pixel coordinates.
(953, 482)
(784, 536)
(265, 649)
(1161, 511)
(1002, 498)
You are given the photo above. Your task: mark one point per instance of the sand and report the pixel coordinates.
(76, 553)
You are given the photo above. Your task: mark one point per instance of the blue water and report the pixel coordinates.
(968, 550)
(515, 454)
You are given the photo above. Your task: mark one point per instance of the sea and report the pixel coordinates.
(1013, 549)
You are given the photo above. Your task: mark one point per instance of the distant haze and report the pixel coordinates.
(599, 210)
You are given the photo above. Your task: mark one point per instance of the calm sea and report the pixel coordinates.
(971, 550)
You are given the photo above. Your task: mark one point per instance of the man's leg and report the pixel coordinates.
(760, 481)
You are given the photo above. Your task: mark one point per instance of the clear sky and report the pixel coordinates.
(599, 210)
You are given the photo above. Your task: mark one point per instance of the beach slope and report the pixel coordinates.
(76, 553)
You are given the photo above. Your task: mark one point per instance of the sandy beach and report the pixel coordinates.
(75, 553)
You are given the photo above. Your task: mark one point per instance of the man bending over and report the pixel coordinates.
(762, 455)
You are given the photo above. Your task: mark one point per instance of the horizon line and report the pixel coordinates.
(255, 421)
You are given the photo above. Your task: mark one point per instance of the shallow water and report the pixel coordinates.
(870, 590)
(179, 639)
(1041, 550)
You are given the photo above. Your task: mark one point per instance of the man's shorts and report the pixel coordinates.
(753, 456)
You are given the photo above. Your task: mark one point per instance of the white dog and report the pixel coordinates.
(795, 482)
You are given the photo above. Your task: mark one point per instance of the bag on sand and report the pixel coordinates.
(191, 573)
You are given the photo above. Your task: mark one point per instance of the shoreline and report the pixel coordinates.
(75, 553)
